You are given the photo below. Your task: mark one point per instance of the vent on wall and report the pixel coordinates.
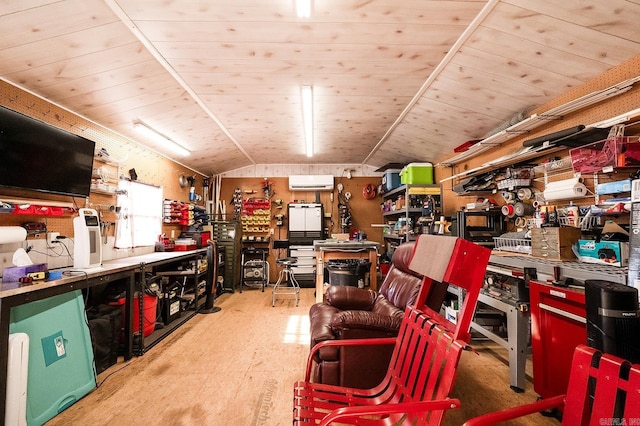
(310, 182)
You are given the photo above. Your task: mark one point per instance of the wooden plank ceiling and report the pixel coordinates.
(394, 80)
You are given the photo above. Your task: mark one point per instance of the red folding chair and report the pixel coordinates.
(416, 388)
(603, 390)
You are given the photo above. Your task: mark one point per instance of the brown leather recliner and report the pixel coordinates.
(353, 313)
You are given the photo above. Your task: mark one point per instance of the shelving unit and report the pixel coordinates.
(256, 219)
(227, 234)
(406, 203)
(189, 275)
(104, 176)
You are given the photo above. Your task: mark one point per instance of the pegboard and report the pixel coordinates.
(150, 166)
(604, 110)
(612, 108)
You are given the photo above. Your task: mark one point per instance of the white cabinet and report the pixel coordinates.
(305, 223)
(305, 267)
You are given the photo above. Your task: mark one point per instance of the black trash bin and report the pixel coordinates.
(342, 273)
(347, 272)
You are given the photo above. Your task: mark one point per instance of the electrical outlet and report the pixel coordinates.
(52, 236)
(271, 231)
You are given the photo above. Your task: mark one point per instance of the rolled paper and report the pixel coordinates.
(12, 234)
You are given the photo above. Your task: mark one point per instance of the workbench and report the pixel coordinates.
(517, 315)
(129, 270)
(339, 250)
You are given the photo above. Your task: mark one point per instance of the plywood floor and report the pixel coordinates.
(237, 367)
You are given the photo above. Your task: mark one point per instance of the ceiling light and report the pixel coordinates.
(303, 7)
(307, 117)
(161, 138)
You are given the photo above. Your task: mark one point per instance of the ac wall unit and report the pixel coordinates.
(310, 183)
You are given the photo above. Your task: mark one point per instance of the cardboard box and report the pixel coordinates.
(634, 236)
(554, 243)
(613, 253)
(451, 314)
(12, 274)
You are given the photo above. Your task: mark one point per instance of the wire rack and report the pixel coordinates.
(515, 245)
(585, 223)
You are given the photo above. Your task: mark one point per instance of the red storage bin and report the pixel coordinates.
(620, 151)
(150, 313)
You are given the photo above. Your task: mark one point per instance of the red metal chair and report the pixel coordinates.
(603, 390)
(427, 349)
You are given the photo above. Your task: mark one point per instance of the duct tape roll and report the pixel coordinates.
(525, 193)
(12, 234)
(508, 196)
(521, 209)
(508, 210)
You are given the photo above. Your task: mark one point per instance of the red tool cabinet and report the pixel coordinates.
(558, 325)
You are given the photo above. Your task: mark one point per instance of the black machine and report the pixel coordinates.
(613, 318)
(479, 226)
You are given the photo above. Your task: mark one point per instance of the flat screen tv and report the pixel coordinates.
(41, 157)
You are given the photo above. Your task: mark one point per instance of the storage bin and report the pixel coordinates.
(417, 173)
(554, 243)
(622, 151)
(390, 180)
(150, 314)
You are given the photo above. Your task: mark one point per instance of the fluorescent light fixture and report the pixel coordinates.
(166, 141)
(303, 8)
(307, 117)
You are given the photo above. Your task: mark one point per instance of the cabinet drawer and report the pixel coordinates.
(305, 261)
(302, 253)
(554, 243)
(304, 270)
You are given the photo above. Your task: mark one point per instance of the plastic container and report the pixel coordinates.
(150, 313)
(150, 310)
(343, 273)
(622, 151)
(348, 272)
(390, 180)
(417, 173)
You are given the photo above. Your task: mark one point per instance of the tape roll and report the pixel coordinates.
(520, 222)
(525, 193)
(508, 196)
(508, 210)
(521, 209)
